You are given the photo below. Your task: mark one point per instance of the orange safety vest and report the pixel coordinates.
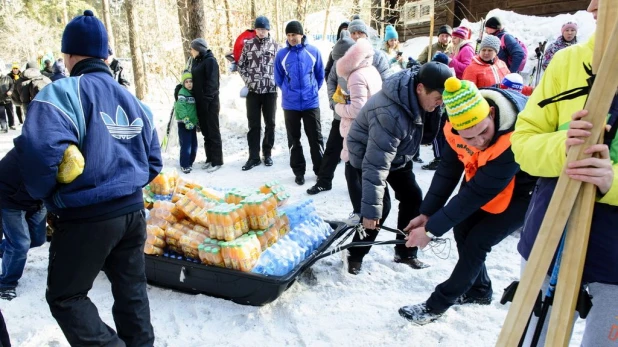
(472, 159)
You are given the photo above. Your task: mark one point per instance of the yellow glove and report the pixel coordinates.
(339, 97)
(72, 165)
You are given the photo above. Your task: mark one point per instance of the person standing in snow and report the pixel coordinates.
(205, 72)
(443, 45)
(329, 65)
(511, 51)
(393, 49)
(567, 38)
(490, 204)
(59, 70)
(15, 74)
(6, 90)
(256, 67)
(98, 218)
(186, 116)
(117, 68)
(299, 73)
(463, 52)
(486, 70)
(549, 131)
(48, 70)
(333, 151)
(28, 85)
(23, 224)
(381, 142)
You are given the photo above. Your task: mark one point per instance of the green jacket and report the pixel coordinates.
(185, 109)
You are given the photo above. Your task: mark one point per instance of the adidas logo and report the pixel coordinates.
(121, 129)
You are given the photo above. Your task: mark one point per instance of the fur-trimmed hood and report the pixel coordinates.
(508, 104)
(358, 56)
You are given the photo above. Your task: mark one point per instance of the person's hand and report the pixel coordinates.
(578, 130)
(370, 224)
(419, 221)
(399, 58)
(9, 93)
(418, 238)
(597, 171)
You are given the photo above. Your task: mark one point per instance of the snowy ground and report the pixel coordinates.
(335, 309)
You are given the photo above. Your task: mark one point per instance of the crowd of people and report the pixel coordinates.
(467, 101)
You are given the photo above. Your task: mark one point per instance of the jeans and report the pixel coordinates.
(78, 252)
(258, 105)
(22, 230)
(188, 145)
(475, 237)
(313, 129)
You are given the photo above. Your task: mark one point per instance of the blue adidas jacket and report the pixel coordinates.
(114, 131)
(299, 73)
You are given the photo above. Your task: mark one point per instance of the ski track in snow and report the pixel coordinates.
(335, 308)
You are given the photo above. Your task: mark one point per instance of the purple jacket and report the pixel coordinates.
(554, 47)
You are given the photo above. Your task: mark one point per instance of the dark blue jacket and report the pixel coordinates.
(511, 49)
(13, 194)
(113, 130)
(489, 180)
(299, 74)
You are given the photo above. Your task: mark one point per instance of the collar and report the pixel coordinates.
(90, 65)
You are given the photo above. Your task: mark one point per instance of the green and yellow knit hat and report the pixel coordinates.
(464, 104)
(185, 76)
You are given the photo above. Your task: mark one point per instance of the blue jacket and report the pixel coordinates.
(114, 131)
(511, 49)
(299, 74)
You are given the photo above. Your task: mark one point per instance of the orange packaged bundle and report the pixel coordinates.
(172, 237)
(163, 183)
(281, 196)
(284, 224)
(158, 222)
(269, 186)
(164, 214)
(212, 194)
(155, 231)
(190, 242)
(167, 205)
(153, 250)
(155, 241)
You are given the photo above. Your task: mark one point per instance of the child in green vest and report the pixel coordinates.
(186, 115)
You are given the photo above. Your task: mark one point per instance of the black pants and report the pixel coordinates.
(5, 341)
(21, 118)
(409, 195)
(475, 237)
(3, 115)
(9, 114)
(313, 129)
(355, 188)
(258, 105)
(332, 154)
(77, 253)
(208, 117)
(440, 141)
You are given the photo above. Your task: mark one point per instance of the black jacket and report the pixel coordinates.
(13, 194)
(117, 68)
(205, 72)
(6, 85)
(489, 180)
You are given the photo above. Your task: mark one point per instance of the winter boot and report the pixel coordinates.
(433, 165)
(213, 168)
(465, 299)
(8, 294)
(268, 161)
(412, 262)
(317, 188)
(419, 314)
(250, 164)
(354, 267)
(300, 180)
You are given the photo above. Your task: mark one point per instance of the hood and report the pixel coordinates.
(205, 55)
(31, 73)
(341, 27)
(358, 56)
(400, 88)
(509, 103)
(59, 67)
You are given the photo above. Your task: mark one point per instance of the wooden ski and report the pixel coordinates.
(565, 194)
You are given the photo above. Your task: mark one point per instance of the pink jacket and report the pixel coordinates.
(461, 61)
(363, 81)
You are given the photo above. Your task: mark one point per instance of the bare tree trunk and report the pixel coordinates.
(228, 25)
(197, 23)
(253, 13)
(107, 19)
(155, 4)
(330, 3)
(183, 19)
(277, 21)
(139, 72)
(300, 11)
(65, 13)
(355, 6)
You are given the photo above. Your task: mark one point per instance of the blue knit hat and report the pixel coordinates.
(262, 22)
(85, 35)
(390, 33)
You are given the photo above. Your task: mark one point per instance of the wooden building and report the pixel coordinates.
(412, 16)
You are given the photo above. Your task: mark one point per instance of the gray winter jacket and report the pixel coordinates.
(385, 136)
(380, 61)
(256, 65)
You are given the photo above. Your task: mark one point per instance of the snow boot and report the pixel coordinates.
(419, 314)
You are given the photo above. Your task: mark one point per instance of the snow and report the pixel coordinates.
(326, 307)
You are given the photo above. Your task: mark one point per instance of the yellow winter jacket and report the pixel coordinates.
(540, 133)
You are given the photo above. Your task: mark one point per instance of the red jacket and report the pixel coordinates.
(485, 75)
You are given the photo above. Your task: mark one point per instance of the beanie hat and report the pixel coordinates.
(513, 81)
(490, 41)
(32, 65)
(462, 33)
(358, 25)
(341, 47)
(185, 76)
(200, 45)
(440, 58)
(15, 65)
(294, 27)
(493, 23)
(390, 33)
(464, 104)
(568, 25)
(110, 51)
(262, 22)
(445, 29)
(85, 35)
(433, 75)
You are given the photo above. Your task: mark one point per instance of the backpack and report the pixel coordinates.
(240, 42)
(35, 86)
(523, 47)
